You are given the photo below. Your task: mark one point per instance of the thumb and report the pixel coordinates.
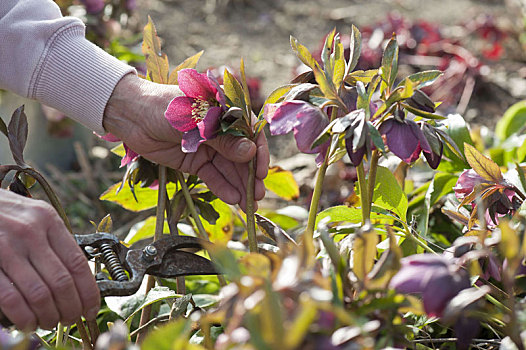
(234, 148)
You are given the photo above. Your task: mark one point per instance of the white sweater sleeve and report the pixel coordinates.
(46, 57)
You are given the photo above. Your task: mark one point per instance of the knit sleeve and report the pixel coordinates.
(46, 57)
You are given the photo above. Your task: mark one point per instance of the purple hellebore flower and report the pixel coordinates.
(306, 120)
(404, 138)
(197, 114)
(435, 277)
(502, 202)
(93, 6)
(130, 155)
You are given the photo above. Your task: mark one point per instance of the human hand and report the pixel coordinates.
(135, 114)
(44, 276)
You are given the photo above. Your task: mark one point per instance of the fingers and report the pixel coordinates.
(217, 183)
(263, 156)
(14, 306)
(234, 148)
(80, 281)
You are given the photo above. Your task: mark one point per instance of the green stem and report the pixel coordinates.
(60, 335)
(364, 197)
(251, 222)
(371, 181)
(159, 225)
(193, 212)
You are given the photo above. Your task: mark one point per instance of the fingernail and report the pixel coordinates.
(244, 147)
(92, 313)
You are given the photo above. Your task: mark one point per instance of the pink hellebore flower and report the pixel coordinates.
(196, 115)
(130, 155)
(502, 202)
(306, 120)
(437, 278)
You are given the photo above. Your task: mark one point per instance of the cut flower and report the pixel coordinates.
(196, 115)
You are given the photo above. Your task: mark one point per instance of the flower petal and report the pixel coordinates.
(282, 116)
(191, 141)
(400, 139)
(220, 94)
(466, 183)
(129, 157)
(209, 126)
(195, 84)
(109, 137)
(311, 122)
(179, 113)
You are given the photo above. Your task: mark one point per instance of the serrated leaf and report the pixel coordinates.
(146, 197)
(303, 54)
(105, 225)
(389, 68)
(485, 167)
(17, 134)
(234, 91)
(282, 183)
(355, 49)
(365, 76)
(424, 78)
(156, 61)
(190, 62)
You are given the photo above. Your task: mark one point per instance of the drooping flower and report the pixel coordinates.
(499, 199)
(130, 155)
(404, 138)
(306, 120)
(437, 278)
(196, 115)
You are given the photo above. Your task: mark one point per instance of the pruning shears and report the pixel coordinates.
(168, 257)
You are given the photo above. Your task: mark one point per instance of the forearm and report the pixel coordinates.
(45, 56)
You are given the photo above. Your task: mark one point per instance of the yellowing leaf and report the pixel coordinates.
(223, 228)
(364, 253)
(146, 197)
(485, 167)
(119, 150)
(509, 242)
(234, 91)
(105, 225)
(156, 61)
(190, 62)
(282, 183)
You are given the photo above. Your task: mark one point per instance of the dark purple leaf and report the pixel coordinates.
(17, 134)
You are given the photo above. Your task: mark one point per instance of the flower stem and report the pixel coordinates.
(308, 237)
(371, 181)
(193, 211)
(159, 225)
(364, 197)
(251, 222)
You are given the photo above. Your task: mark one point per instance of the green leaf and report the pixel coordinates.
(458, 132)
(356, 48)
(173, 335)
(389, 68)
(485, 167)
(325, 55)
(303, 54)
(306, 315)
(156, 61)
(119, 150)
(282, 183)
(510, 244)
(223, 228)
(387, 266)
(388, 194)
(272, 230)
(338, 71)
(441, 185)
(234, 91)
(17, 134)
(422, 113)
(424, 78)
(342, 213)
(190, 62)
(144, 229)
(376, 137)
(364, 252)
(105, 225)
(146, 197)
(512, 121)
(365, 76)
(276, 95)
(155, 295)
(244, 85)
